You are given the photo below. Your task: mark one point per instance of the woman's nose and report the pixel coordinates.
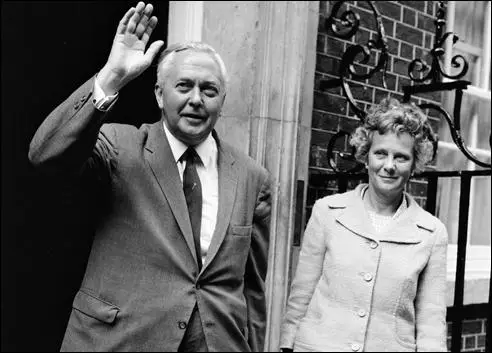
(389, 165)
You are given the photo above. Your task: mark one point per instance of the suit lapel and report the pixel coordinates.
(405, 230)
(161, 161)
(354, 216)
(227, 195)
(411, 227)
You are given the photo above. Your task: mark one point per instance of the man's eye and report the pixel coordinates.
(210, 91)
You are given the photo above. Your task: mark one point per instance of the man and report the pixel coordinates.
(179, 257)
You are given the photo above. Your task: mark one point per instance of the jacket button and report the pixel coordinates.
(368, 277)
(182, 325)
(373, 245)
(355, 347)
(361, 313)
(76, 106)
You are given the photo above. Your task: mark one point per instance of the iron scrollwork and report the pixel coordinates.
(349, 22)
(434, 78)
(346, 26)
(435, 71)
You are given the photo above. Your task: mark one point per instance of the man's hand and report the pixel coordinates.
(128, 58)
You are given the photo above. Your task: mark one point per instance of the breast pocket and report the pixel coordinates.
(95, 308)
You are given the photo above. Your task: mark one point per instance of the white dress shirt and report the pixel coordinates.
(207, 172)
(100, 100)
(209, 178)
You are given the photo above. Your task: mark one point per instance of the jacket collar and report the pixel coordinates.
(228, 174)
(411, 227)
(162, 163)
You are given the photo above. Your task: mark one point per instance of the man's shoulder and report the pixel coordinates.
(243, 159)
(126, 132)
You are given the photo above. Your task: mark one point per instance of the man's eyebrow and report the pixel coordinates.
(214, 83)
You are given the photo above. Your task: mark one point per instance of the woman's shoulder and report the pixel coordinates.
(338, 200)
(424, 218)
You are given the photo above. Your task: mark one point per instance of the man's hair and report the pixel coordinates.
(392, 116)
(165, 59)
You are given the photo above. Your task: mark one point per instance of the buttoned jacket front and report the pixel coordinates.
(356, 290)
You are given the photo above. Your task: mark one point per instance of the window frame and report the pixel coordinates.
(478, 259)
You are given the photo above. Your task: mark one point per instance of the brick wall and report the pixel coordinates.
(409, 26)
(473, 335)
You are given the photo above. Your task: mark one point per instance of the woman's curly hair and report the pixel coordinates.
(391, 115)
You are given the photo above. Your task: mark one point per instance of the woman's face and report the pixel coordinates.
(390, 162)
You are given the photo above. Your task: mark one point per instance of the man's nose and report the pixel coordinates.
(195, 99)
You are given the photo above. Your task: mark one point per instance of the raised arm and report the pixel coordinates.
(67, 137)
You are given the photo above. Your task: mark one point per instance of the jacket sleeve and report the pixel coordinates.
(71, 138)
(308, 272)
(430, 301)
(256, 268)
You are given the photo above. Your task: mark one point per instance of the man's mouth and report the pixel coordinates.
(194, 116)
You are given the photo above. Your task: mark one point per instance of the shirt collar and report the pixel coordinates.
(207, 149)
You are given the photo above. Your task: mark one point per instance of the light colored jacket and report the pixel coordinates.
(357, 291)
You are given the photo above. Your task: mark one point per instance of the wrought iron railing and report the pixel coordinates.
(425, 78)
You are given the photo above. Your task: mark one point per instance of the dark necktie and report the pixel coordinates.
(193, 194)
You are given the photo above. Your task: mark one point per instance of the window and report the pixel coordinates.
(469, 20)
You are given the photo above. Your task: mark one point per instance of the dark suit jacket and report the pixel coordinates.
(142, 279)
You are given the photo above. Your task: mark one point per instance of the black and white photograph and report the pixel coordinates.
(246, 176)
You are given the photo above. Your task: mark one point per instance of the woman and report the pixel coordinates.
(372, 267)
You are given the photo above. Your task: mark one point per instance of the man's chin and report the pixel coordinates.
(192, 138)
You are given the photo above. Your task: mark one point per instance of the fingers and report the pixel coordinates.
(124, 21)
(138, 21)
(153, 50)
(148, 31)
(144, 21)
(135, 19)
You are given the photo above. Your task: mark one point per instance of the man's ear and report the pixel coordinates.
(158, 96)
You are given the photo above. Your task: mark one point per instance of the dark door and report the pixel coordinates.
(48, 50)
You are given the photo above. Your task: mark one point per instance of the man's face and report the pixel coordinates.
(390, 162)
(190, 95)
